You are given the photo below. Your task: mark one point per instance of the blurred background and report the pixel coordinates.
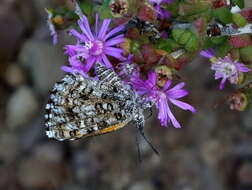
(213, 150)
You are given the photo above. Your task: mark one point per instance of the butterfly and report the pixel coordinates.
(82, 107)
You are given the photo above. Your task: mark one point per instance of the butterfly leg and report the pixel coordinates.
(141, 131)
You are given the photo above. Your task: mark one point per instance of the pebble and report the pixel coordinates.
(21, 107)
(245, 173)
(212, 152)
(15, 75)
(50, 151)
(43, 60)
(10, 36)
(39, 7)
(38, 174)
(85, 165)
(142, 185)
(9, 147)
(247, 119)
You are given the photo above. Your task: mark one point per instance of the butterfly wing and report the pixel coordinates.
(81, 107)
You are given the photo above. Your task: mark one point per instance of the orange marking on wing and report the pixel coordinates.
(112, 128)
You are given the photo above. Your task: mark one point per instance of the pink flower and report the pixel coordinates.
(161, 12)
(162, 97)
(93, 47)
(225, 68)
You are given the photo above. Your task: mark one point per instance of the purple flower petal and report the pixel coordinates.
(114, 41)
(89, 64)
(175, 123)
(152, 79)
(167, 1)
(222, 84)
(78, 35)
(84, 25)
(167, 85)
(183, 105)
(114, 31)
(176, 94)
(96, 23)
(227, 69)
(106, 61)
(93, 47)
(150, 90)
(208, 53)
(242, 68)
(115, 52)
(162, 13)
(104, 28)
(162, 106)
(177, 87)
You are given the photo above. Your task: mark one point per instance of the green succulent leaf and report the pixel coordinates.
(239, 20)
(246, 54)
(168, 45)
(177, 33)
(223, 14)
(193, 43)
(223, 49)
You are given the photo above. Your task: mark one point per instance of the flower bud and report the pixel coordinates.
(58, 19)
(164, 74)
(134, 46)
(241, 78)
(119, 8)
(126, 46)
(238, 101)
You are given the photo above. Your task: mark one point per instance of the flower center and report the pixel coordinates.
(228, 69)
(95, 47)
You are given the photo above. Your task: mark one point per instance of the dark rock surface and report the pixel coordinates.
(212, 151)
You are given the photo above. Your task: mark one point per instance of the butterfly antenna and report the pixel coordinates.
(148, 141)
(138, 149)
(150, 113)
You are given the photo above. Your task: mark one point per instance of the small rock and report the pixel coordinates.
(245, 173)
(10, 36)
(9, 147)
(51, 152)
(37, 174)
(206, 118)
(39, 7)
(43, 60)
(27, 13)
(72, 187)
(247, 119)
(14, 75)
(144, 185)
(35, 130)
(21, 107)
(85, 165)
(6, 5)
(212, 152)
